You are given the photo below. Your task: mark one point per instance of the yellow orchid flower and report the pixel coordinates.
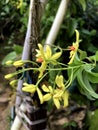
(74, 48)
(52, 94)
(45, 57)
(56, 94)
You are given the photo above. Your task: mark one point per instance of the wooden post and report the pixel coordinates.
(31, 40)
(38, 113)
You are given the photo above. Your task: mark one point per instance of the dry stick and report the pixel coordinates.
(57, 22)
(25, 56)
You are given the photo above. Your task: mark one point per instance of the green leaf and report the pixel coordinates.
(86, 87)
(83, 4)
(83, 54)
(93, 77)
(94, 57)
(72, 25)
(75, 70)
(94, 120)
(18, 49)
(85, 32)
(92, 48)
(10, 56)
(72, 123)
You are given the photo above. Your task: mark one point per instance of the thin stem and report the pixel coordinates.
(29, 61)
(41, 79)
(70, 80)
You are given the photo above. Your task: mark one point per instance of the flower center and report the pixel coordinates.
(39, 60)
(72, 48)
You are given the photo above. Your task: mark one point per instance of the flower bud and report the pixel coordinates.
(13, 83)
(8, 76)
(18, 63)
(9, 62)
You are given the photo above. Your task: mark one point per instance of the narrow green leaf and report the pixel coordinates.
(94, 57)
(93, 77)
(83, 4)
(85, 85)
(72, 26)
(83, 54)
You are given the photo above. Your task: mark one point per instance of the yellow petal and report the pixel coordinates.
(72, 58)
(59, 81)
(41, 50)
(72, 53)
(56, 102)
(58, 94)
(77, 35)
(56, 56)
(30, 89)
(47, 97)
(42, 69)
(38, 53)
(40, 95)
(45, 88)
(48, 52)
(50, 89)
(65, 98)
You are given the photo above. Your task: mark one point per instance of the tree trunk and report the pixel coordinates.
(36, 114)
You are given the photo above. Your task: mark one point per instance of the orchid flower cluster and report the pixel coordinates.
(57, 91)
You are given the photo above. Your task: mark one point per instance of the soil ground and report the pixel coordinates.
(5, 93)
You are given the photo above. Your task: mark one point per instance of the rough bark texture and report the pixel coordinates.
(36, 113)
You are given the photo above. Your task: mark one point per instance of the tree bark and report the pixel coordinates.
(38, 113)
